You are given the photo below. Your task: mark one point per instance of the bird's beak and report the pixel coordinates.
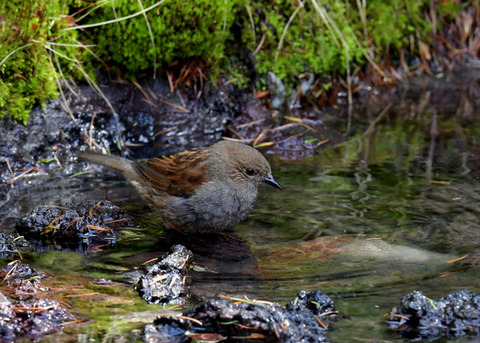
(271, 181)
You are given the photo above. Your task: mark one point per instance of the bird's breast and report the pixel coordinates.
(220, 207)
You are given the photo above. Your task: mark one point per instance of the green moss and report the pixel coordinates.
(392, 23)
(326, 37)
(31, 50)
(181, 30)
(323, 35)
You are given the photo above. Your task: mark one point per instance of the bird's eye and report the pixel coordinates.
(250, 171)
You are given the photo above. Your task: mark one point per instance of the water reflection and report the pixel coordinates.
(382, 214)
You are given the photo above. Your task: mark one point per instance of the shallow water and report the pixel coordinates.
(366, 221)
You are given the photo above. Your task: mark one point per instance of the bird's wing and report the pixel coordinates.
(177, 175)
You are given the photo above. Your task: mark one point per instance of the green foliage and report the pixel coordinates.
(324, 34)
(28, 56)
(182, 30)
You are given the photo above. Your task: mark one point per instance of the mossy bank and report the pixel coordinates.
(340, 46)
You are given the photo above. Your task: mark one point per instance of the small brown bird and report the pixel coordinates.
(207, 189)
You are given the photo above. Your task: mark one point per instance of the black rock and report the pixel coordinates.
(420, 318)
(305, 319)
(85, 224)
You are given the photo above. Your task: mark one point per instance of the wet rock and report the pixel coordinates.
(420, 318)
(23, 281)
(304, 319)
(165, 281)
(32, 319)
(76, 225)
(10, 244)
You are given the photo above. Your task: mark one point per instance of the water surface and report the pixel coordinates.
(366, 221)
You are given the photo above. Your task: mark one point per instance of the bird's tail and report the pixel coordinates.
(114, 162)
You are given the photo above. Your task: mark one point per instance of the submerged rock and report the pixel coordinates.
(420, 318)
(32, 319)
(23, 280)
(305, 319)
(383, 251)
(165, 281)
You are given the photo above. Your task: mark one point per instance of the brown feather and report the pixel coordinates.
(178, 175)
